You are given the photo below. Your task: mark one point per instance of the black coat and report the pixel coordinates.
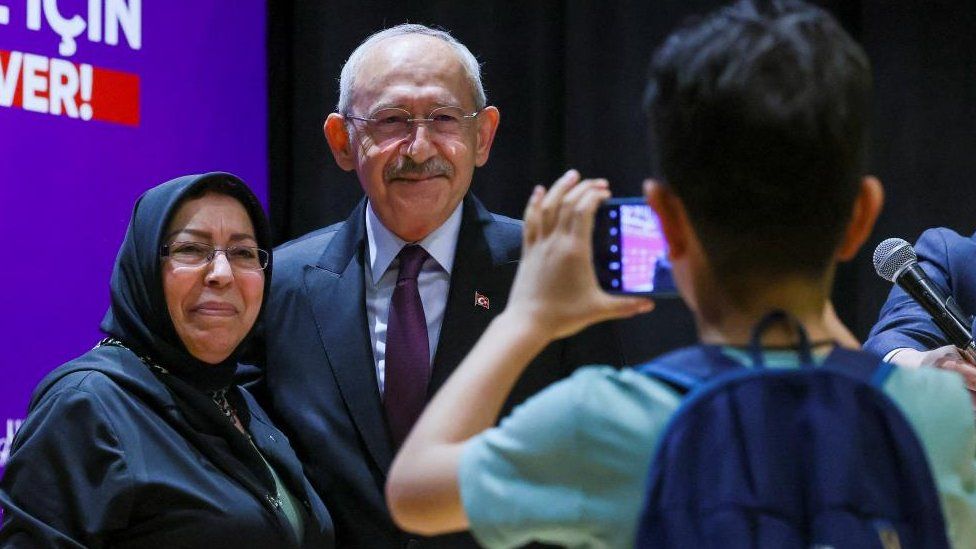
(320, 383)
(106, 458)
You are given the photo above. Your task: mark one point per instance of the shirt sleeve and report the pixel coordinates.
(566, 467)
(938, 407)
(65, 482)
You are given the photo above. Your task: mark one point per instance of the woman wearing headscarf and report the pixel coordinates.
(145, 441)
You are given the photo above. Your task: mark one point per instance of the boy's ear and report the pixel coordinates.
(867, 207)
(671, 212)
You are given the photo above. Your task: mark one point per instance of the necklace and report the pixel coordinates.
(223, 404)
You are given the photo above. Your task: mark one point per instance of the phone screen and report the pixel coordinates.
(630, 253)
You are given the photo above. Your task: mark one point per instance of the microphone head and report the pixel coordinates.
(891, 256)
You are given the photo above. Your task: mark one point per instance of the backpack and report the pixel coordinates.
(815, 457)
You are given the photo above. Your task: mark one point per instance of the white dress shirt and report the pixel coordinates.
(382, 266)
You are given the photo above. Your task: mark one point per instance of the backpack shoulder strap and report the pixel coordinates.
(689, 367)
(861, 365)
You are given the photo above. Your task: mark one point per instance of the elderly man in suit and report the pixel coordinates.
(368, 317)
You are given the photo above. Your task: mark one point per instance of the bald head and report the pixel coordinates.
(396, 48)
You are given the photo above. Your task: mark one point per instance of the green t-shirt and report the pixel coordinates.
(568, 466)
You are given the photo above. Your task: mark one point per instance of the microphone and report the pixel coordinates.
(895, 261)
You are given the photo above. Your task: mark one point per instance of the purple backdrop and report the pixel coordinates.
(182, 90)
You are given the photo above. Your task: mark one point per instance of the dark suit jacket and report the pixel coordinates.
(320, 381)
(950, 261)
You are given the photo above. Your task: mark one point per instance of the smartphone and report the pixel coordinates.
(630, 254)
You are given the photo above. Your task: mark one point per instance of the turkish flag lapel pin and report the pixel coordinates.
(481, 300)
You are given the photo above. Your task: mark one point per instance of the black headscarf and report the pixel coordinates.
(138, 315)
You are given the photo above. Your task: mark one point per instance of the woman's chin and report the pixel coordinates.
(212, 354)
(212, 346)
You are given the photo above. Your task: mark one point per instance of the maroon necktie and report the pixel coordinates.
(407, 351)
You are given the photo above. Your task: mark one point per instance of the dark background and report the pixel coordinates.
(568, 76)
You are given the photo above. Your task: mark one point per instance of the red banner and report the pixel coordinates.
(62, 88)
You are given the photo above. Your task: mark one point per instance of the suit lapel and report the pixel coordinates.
(337, 293)
(482, 264)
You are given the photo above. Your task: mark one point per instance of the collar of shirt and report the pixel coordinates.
(383, 245)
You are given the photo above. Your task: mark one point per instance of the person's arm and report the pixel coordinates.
(555, 294)
(902, 322)
(946, 357)
(905, 333)
(66, 483)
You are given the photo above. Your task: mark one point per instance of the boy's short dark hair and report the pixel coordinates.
(759, 120)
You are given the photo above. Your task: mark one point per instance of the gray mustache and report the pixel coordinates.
(405, 167)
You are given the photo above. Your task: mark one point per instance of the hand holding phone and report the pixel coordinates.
(630, 254)
(555, 290)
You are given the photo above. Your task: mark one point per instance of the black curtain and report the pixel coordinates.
(568, 77)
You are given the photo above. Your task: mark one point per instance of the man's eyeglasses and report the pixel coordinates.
(395, 124)
(197, 254)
